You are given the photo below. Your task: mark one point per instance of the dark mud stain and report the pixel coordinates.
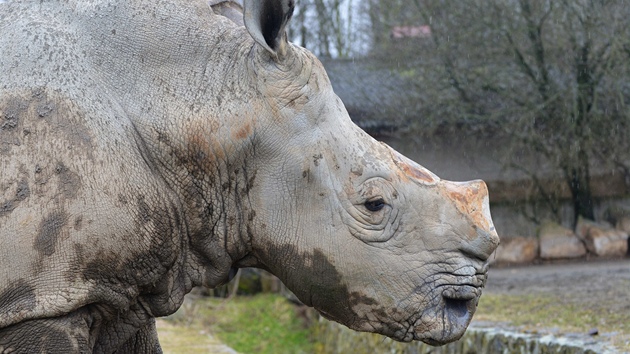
(50, 229)
(319, 285)
(40, 336)
(317, 282)
(19, 296)
(10, 123)
(6, 208)
(69, 182)
(103, 266)
(78, 223)
(142, 268)
(22, 192)
(316, 159)
(71, 274)
(357, 298)
(151, 250)
(250, 178)
(43, 110)
(11, 108)
(122, 199)
(24, 112)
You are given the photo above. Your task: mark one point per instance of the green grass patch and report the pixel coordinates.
(180, 338)
(268, 323)
(264, 323)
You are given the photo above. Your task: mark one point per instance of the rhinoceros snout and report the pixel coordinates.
(471, 200)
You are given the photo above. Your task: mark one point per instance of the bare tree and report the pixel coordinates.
(330, 28)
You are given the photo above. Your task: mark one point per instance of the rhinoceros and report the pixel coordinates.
(148, 147)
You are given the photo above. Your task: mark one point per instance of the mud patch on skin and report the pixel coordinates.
(318, 283)
(122, 199)
(69, 182)
(22, 193)
(65, 334)
(6, 208)
(144, 263)
(11, 110)
(40, 114)
(50, 229)
(78, 223)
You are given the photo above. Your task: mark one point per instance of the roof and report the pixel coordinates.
(376, 98)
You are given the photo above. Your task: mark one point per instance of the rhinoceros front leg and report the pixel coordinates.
(66, 334)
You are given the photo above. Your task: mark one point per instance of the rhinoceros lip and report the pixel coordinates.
(461, 292)
(457, 305)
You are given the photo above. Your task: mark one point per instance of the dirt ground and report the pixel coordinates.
(592, 284)
(591, 299)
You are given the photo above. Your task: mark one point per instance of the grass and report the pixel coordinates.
(537, 313)
(263, 323)
(180, 338)
(268, 323)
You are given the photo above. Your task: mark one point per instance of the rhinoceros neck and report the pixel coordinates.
(216, 203)
(179, 75)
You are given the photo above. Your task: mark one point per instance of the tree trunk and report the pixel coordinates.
(579, 183)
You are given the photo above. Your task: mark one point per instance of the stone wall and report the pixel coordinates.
(334, 338)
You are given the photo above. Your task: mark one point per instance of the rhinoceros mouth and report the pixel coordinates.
(449, 315)
(453, 314)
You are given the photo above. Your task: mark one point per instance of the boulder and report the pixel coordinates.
(623, 224)
(607, 242)
(601, 238)
(614, 213)
(583, 225)
(558, 242)
(516, 250)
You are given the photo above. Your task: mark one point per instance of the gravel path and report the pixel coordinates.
(600, 287)
(592, 284)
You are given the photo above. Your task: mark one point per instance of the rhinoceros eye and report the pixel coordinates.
(374, 205)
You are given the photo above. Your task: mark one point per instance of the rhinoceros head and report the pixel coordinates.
(363, 234)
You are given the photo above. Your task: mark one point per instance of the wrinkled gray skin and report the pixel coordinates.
(148, 147)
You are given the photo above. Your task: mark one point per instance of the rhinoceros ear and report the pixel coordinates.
(265, 21)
